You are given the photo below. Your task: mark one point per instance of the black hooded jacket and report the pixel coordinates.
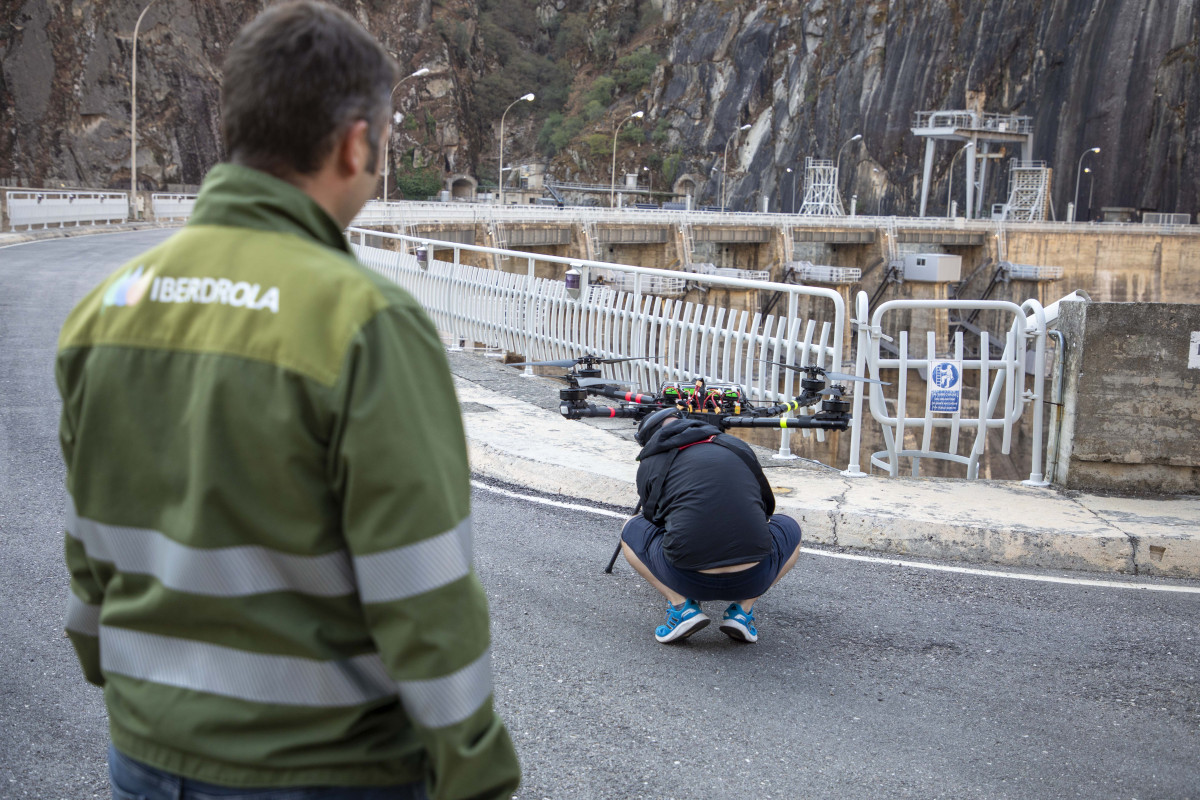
(712, 504)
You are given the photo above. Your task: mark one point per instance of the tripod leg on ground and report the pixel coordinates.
(608, 570)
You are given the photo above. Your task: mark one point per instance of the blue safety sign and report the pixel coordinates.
(945, 387)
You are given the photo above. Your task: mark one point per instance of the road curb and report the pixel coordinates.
(984, 522)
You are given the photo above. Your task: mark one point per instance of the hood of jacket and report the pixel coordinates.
(677, 433)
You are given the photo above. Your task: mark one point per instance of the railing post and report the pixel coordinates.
(785, 436)
(529, 303)
(853, 469)
(1036, 476)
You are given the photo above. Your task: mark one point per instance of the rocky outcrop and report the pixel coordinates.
(1121, 75)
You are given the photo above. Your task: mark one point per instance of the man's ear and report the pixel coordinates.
(354, 149)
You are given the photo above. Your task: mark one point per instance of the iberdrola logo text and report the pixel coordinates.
(131, 287)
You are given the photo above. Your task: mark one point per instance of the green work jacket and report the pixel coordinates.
(269, 532)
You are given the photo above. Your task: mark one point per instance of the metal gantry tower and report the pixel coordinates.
(821, 195)
(978, 130)
(1029, 191)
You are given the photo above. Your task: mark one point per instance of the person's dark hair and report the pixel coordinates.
(294, 79)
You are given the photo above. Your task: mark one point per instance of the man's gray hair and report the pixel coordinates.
(294, 79)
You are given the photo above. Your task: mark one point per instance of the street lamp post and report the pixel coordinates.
(649, 183)
(792, 208)
(845, 144)
(500, 171)
(838, 165)
(950, 180)
(386, 163)
(612, 186)
(725, 161)
(1091, 185)
(133, 117)
(1077, 174)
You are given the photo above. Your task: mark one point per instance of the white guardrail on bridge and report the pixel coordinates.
(378, 212)
(172, 206)
(667, 339)
(45, 208)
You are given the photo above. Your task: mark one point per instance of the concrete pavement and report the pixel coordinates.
(517, 436)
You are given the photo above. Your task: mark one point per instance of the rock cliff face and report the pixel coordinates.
(1121, 75)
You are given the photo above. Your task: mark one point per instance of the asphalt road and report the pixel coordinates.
(869, 680)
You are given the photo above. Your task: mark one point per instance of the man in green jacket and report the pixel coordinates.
(269, 538)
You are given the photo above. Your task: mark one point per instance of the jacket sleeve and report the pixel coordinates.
(399, 466)
(86, 593)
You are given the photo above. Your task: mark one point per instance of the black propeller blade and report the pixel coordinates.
(834, 376)
(574, 362)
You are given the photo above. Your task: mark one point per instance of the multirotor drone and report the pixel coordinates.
(724, 405)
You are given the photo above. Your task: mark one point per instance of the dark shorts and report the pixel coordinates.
(645, 539)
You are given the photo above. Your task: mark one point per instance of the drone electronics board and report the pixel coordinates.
(701, 397)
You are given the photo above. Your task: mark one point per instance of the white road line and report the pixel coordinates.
(547, 502)
(1020, 576)
(893, 562)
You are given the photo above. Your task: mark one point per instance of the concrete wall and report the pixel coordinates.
(1132, 398)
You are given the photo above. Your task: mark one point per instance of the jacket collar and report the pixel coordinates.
(241, 197)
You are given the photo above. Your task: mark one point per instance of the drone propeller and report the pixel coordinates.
(834, 376)
(567, 363)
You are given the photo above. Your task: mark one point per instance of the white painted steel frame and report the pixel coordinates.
(172, 206)
(1005, 375)
(401, 213)
(667, 338)
(29, 208)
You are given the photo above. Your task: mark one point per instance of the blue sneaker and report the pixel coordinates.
(682, 622)
(737, 623)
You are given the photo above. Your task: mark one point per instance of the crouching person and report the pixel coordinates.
(708, 530)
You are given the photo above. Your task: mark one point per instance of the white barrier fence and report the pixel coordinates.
(999, 386)
(666, 339)
(172, 206)
(27, 209)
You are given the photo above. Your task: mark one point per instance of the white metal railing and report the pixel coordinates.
(668, 339)
(172, 206)
(45, 208)
(394, 213)
(1000, 384)
(973, 120)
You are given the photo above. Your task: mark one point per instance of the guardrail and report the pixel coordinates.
(45, 208)
(666, 339)
(1000, 386)
(399, 213)
(172, 206)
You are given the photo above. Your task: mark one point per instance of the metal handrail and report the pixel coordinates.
(1029, 322)
(534, 316)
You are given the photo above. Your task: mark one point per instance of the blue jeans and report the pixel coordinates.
(133, 780)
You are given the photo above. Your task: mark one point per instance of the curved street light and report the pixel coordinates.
(133, 116)
(612, 186)
(419, 73)
(725, 160)
(1075, 205)
(500, 174)
(950, 181)
(849, 141)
